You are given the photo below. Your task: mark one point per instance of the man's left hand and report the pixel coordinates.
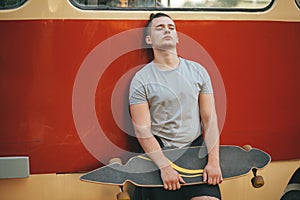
(212, 173)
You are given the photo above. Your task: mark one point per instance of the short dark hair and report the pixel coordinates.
(151, 17)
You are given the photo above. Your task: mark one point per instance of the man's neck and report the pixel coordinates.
(166, 59)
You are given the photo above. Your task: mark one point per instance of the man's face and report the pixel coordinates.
(163, 34)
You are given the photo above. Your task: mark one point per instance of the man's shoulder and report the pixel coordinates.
(193, 64)
(143, 73)
(145, 69)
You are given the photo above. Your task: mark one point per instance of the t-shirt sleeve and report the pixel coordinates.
(137, 91)
(206, 85)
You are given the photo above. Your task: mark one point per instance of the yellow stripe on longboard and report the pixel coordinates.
(195, 172)
(191, 176)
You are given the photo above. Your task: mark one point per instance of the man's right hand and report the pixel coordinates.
(171, 178)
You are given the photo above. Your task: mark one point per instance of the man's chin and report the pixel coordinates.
(167, 47)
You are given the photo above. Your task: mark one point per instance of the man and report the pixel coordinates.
(168, 97)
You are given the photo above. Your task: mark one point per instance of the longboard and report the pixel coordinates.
(189, 162)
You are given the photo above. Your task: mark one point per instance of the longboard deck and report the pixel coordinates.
(189, 162)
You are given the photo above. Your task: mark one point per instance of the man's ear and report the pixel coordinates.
(148, 39)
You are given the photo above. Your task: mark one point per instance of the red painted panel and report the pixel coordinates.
(39, 61)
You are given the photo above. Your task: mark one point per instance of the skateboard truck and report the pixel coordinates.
(123, 195)
(257, 181)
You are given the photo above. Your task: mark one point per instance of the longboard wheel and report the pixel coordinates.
(115, 160)
(247, 147)
(257, 181)
(123, 196)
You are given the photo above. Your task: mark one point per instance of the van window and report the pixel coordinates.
(173, 4)
(298, 3)
(10, 4)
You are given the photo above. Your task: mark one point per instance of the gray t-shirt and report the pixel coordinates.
(172, 97)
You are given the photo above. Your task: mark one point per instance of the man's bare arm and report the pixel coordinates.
(212, 174)
(141, 120)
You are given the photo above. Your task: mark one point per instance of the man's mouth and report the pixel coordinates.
(167, 37)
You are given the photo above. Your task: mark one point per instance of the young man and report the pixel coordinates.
(168, 97)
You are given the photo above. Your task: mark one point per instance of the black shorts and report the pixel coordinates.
(185, 193)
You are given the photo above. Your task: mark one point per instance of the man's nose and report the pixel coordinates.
(167, 30)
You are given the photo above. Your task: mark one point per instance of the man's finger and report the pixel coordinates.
(178, 186)
(165, 186)
(174, 186)
(181, 180)
(204, 176)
